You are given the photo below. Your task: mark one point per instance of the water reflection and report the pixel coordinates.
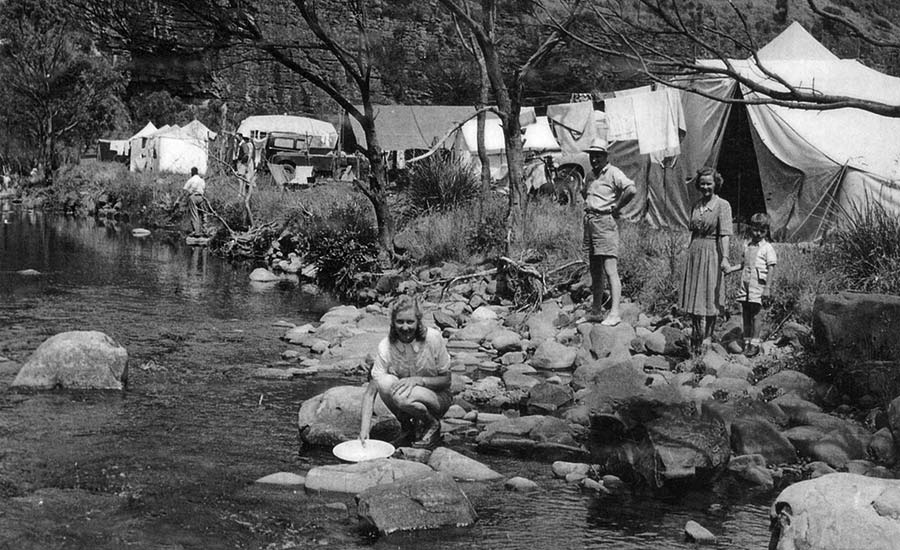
(87, 253)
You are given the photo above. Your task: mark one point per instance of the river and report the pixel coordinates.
(170, 462)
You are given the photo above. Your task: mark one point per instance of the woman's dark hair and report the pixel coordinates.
(708, 171)
(404, 303)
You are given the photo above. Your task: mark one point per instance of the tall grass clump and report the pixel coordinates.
(863, 252)
(441, 182)
(651, 263)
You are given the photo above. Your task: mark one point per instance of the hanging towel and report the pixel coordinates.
(620, 118)
(634, 91)
(573, 124)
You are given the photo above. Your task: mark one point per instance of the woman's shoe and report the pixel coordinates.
(431, 438)
(751, 351)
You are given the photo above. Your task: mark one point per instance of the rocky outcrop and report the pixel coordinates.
(75, 360)
(836, 512)
(421, 502)
(460, 466)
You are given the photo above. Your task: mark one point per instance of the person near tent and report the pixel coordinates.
(757, 270)
(606, 190)
(195, 188)
(246, 168)
(412, 375)
(703, 284)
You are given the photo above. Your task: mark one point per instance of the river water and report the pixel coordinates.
(170, 462)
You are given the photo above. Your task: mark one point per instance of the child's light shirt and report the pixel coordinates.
(759, 258)
(418, 358)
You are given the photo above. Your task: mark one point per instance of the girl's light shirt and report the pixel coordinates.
(418, 358)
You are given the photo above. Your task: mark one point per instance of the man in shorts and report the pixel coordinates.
(606, 190)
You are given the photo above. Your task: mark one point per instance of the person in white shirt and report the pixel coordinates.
(606, 190)
(412, 375)
(195, 187)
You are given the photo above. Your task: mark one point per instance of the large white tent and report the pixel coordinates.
(172, 149)
(803, 167)
(538, 138)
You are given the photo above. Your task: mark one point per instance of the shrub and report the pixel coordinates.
(441, 182)
(343, 243)
(863, 253)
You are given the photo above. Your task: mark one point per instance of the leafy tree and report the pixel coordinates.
(60, 90)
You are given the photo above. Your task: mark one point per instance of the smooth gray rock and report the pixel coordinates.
(333, 416)
(521, 484)
(420, 502)
(758, 436)
(461, 467)
(854, 327)
(551, 355)
(75, 360)
(836, 512)
(697, 533)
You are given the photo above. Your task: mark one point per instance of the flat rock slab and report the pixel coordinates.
(428, 501)
(355, 478)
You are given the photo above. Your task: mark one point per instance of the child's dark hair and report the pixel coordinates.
(760, 220)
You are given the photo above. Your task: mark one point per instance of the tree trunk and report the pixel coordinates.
(483, 99)
(515, 159)
(376, 191)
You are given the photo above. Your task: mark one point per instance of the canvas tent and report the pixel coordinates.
(173, 149)
(137, 146)
(405, 127)
(803, 167)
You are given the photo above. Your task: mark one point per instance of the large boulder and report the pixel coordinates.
(422, 502)
(836, 512)
(357, 477)
(333, 416)
(76, 360)
(790, 381)
(665, 445)
(852, 327)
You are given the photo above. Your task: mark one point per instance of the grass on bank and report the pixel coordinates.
(439, 222)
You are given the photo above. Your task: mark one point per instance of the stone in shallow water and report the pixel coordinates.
(427, 501)
(286, 479)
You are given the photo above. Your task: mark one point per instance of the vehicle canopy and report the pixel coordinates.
(322, 134)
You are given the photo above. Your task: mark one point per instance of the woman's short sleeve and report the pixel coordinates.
(382, 359)
(724, 219)
(435, 342)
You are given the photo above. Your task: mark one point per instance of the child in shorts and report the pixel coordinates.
(757, 269)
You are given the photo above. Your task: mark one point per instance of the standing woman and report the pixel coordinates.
(703, 286)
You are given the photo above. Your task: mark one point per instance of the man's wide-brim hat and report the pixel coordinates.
(598, 145)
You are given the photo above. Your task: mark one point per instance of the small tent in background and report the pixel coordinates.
(538, 140)
(137, 145)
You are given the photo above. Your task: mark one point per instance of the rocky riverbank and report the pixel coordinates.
(614, 409)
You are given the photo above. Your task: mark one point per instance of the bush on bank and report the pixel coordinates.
(332, 225)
